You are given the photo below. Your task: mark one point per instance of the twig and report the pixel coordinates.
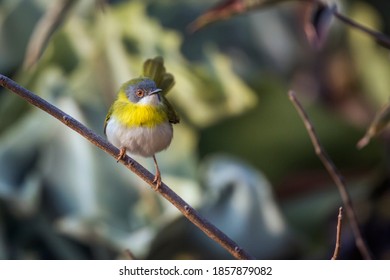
(45, 28)
(336, 252)
(379, 37)
(226, 9)
(190, 213)
(335, 174)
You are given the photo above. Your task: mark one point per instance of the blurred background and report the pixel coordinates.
(240, 155)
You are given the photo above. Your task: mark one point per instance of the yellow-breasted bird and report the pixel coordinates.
(140, 119)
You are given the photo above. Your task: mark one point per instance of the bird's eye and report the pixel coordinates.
(140, 92)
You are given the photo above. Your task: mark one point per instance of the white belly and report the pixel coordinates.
(142, 141)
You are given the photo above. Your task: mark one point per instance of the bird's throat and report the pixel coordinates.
(135, 115)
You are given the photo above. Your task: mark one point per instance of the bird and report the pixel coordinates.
(140, 120)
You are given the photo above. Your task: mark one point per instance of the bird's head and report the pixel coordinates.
(142, 91)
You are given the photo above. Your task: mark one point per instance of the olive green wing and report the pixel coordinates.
(155, 69)
(173, 117)
(107, 118)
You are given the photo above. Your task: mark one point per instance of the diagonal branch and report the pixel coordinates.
(226, 9)
(45, 28)
(336, 252)
(379, 37)
(335, 174)
(189, 212)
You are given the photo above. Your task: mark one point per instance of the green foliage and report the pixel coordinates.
(71, 200)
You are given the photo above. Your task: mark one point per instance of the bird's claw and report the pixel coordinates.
(157, 181)
(122, 153)
(157, 177)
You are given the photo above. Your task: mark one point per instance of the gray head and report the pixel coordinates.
(142, 90)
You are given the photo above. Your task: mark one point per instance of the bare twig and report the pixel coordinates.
(379, 37)
(380, 122)
(336, 176)
(226, 9)
(336, 252)
(45, 28)
(189, 212)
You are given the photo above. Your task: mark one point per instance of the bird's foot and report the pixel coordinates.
(157, 181)
(157, 177)
(122, 153)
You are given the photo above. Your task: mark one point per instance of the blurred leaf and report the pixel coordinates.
(12, 108)
(317, 28)
(14, 35)
(371, 61)
(19, 150)
(204, 92)
(211, 92)
(259, 136)
(233, 191)
(380, 122)
(227, 9)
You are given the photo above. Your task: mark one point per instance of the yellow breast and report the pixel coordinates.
(135, 115)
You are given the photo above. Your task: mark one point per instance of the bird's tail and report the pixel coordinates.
(154, 69)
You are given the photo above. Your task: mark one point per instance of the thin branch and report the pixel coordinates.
(45, 28)
(226, 9)
(379, 37)
(336, 252)
(189, 212)
(335, 174)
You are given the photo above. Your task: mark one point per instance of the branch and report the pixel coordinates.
(226, 9)
(189, 212)
(336, 176)
(338, 235)
(45, 28)
(379, 37)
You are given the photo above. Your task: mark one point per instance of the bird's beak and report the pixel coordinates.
(157, 90)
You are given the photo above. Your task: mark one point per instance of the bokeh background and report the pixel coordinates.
(240, 155)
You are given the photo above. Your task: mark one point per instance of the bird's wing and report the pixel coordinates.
(107, 118)
(173, 117)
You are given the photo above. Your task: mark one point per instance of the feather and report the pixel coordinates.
(108, 118)
(155, 69)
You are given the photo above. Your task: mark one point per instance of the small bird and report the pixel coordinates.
(140, 119)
